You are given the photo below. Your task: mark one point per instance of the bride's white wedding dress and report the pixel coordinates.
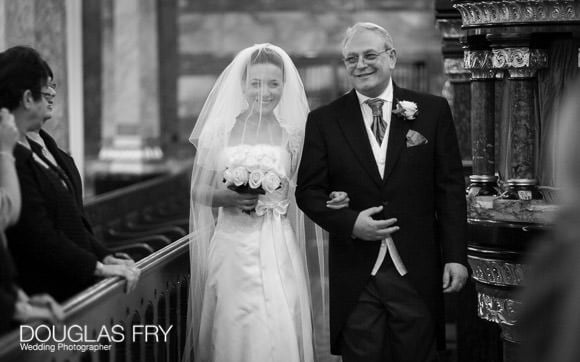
(256, 303)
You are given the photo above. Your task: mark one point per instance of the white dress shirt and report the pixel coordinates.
(380, 155)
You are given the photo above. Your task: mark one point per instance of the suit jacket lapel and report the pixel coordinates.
(58, 171)
(64, 162)
(397, 135)
(353, 127)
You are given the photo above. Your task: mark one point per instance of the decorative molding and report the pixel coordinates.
(500, 310)
(450, 29)
(480, 63)
(497, 272)
(474, 13)
(521, 60)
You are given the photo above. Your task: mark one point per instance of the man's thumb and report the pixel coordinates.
(373, 210)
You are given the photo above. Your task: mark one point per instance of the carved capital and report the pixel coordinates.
(497, 272)
(480, 63)
(521, 62)
(492, 12)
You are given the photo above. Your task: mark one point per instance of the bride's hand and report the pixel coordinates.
(338, 200)
(229, 198)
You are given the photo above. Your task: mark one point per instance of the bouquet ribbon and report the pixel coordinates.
(279, 208)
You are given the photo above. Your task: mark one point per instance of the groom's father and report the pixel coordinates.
(401, 243)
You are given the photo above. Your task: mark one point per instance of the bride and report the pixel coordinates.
(250, 291)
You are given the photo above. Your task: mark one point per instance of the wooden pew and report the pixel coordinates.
(144, 217)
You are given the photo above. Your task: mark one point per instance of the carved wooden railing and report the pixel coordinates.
(160, 300)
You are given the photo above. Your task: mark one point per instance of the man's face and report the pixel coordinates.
(368, 63)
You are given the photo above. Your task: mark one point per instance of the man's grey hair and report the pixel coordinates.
(382, 32)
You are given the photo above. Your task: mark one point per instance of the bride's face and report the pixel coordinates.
(263, 87)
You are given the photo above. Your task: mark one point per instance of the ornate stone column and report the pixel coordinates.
(131, 149)
(516, 38)
(521, 63)
(479, 62)
(457, 87)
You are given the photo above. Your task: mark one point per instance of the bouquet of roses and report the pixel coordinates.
(255, 181)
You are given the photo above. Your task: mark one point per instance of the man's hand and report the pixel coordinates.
(454, 277)
(366, 228)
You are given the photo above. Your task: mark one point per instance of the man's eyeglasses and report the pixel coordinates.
(369, 57)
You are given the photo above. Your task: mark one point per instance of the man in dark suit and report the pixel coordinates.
(401, 242)
(53, 246)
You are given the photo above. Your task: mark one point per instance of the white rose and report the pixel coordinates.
(271, 182)
(410, 109)
(228, 177)
(256, 177)
(240, 176)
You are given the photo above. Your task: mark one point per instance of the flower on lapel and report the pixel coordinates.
(406, 109)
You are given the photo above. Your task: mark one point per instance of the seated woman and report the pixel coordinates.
(15, 305)
(52, 244)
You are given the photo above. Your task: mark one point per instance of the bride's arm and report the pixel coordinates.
(214, 193)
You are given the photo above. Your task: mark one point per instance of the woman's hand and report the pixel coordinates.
(338, 200)
(119, 259)
(130, 273)
(8, 131)
(37, 307)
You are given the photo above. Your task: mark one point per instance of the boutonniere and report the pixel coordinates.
(406, 109)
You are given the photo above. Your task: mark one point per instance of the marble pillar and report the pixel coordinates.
(522, 64)
(130, 91)
(456, 88)
(479, 62)
(43, 26)
(168, 32)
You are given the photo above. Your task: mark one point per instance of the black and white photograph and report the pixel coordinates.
(289, 181)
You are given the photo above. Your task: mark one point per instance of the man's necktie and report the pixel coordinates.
(378, 126)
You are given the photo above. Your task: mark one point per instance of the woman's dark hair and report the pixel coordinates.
(21, 68)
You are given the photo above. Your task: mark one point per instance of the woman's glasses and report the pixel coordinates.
(367, 58)
(48, 96)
